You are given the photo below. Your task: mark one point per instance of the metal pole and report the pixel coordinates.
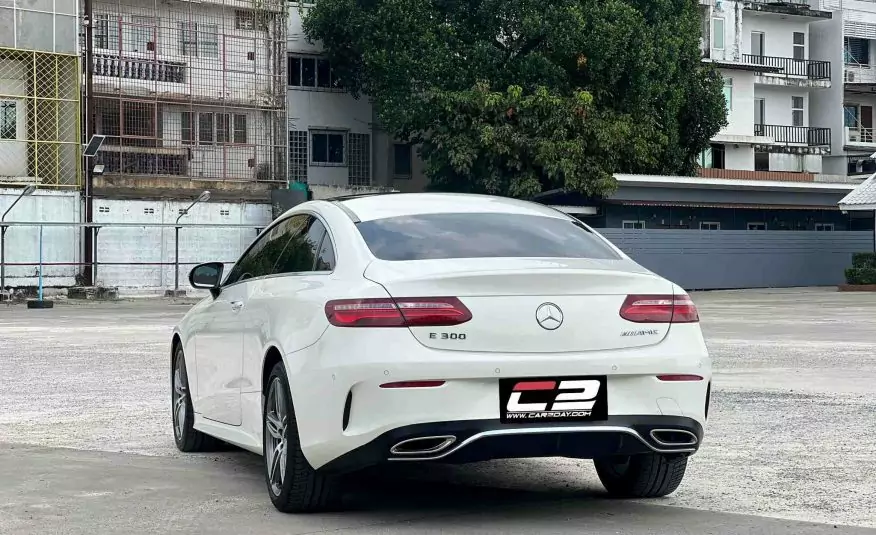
(96, 233)
(3, 261)
(176, 262)
(88, 252)
(41, 264)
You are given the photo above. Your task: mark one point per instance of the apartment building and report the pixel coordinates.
(39, 94)
(190, 91)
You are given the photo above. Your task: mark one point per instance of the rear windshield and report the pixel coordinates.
(480, 235)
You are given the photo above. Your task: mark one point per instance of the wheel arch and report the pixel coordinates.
(272, 357)
(175, 342)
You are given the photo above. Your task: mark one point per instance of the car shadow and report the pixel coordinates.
(434, 487)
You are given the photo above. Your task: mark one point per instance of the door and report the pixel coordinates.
(759, 116)
(219, 344)
(218, 350)
(867, 124)
(757, 47)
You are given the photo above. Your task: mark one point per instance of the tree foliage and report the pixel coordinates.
(519, 96)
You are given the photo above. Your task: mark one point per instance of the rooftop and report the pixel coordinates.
(862, 197)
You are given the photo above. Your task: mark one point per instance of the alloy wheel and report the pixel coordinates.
(180, 397)
(276, 415)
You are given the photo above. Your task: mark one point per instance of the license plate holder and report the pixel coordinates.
(553, 399)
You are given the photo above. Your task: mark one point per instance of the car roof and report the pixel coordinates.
(368, 208)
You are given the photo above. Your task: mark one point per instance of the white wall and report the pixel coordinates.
(778, 33)
(741, 117)
(125, 244)
(777, 104)
(739, 157)
(60, 244)
(156, 244)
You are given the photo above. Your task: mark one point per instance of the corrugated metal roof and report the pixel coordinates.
(863, 197)
(682, 204)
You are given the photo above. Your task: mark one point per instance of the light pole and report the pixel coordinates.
(25, 192)
(203, 197)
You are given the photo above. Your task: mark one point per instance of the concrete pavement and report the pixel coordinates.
(791, 435)
(77, 492)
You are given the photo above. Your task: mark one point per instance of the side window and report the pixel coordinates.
(262, 257)
(325, 261)
(301, 248)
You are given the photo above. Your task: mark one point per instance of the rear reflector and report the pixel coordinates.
(413, 384)
(659, 309)
(399, 312)
(680, 377)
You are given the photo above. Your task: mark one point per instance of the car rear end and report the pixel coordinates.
(490, 334)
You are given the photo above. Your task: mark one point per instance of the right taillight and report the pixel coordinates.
(398, 312)
(659, 309)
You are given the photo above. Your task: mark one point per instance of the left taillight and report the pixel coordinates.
(659, 309)
(398, 312)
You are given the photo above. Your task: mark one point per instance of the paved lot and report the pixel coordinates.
(792, 437)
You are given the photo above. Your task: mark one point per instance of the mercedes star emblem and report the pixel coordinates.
(549, 316)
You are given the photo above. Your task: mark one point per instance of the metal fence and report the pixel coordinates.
(158, 256)
(127, 255)
(728, 259)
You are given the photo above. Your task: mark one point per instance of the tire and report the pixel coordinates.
(187, 438)
(293, 485)
(648, 475)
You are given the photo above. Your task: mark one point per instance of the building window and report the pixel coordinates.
(298, 155)
(797, 111)
(633, 225)
(822, 227)
(857, 51)
(209, 128)
(148, 211)
(103, 209)
(799, 45)
(718, 33)
(761, 161)
(205, 129)
(850, 115)
(402, 160)
(710, 225)
(313, 72)
(106, 32)
(327, 147)
(199, 40)
(8, 120)
(756, 226)
(244, 20)
(240, 135)
(713, 157)
(728, 93)
(360, 160)
(225, 213)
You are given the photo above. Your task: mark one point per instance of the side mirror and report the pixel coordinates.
(207, 276)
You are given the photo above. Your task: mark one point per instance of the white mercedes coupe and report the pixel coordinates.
(417, 328)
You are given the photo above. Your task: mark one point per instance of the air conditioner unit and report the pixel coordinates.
(853, 135)
(850, 76)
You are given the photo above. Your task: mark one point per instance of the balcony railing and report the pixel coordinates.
(811, 69)
(139, 69)
(795, 135)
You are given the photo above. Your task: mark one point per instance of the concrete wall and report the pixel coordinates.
(60, 244)
(121, 245)
(742, 259)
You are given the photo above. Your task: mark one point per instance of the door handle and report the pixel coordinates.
(236, 306)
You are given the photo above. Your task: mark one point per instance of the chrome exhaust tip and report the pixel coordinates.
(423, 445)
(674, 437)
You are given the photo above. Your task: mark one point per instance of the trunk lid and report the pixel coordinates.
(529, 305)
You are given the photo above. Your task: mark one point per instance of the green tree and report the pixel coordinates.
(520, 96)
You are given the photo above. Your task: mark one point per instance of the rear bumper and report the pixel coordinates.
(484, 440)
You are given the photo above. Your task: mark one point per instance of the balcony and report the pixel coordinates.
(804, 136)
(141, 69)
(860, 136)
(800, 8)
(778, 67)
